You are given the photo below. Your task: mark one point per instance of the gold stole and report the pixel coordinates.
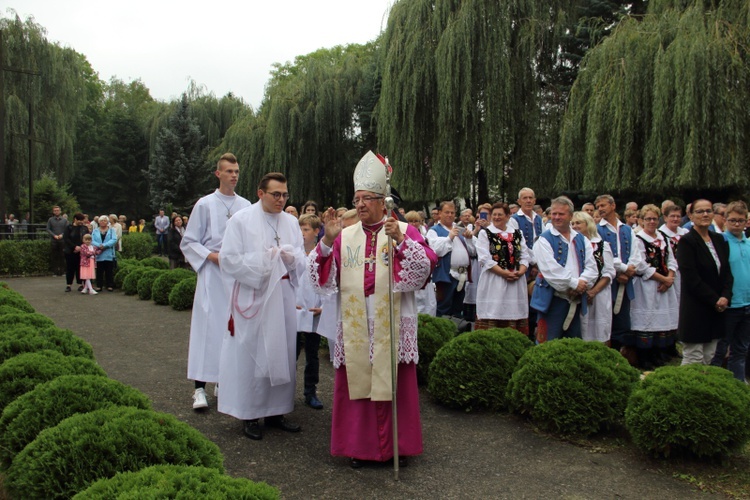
(367, 380)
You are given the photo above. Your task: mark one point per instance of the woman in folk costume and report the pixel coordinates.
(654, 310)
(354, 263)
(596, 324)
(502, 296)
(672, 231)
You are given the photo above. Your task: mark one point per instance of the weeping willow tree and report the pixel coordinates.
(313, 124)
(661, 105)
(56, 98)
(462, 101)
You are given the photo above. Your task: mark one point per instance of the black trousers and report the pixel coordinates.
(57, 257)
(105, 274)
(310, 342)
(72, 267)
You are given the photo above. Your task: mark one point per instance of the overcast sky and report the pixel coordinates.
(225, 45)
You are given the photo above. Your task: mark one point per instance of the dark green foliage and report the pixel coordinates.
(569, 386)
(130, 283)
(472, 370)
(65, 459)
(14, 299)
(22, 373)
(123, 270)
(178, 481)
(24, 257)
(138, 245)
(9, 309)
(702, 411)
(52, 402)
(155, 262)
(166, 282)
(25, 338)
(146, 281)
(11, 320)
(48, 192)
(433, 333)
(181, 296)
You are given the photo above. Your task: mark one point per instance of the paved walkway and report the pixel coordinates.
(466, 455)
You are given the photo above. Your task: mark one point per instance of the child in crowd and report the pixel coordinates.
(308, 316)
(88, 264)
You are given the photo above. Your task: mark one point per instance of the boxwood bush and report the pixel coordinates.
(472, 370)
(164, 284)
(146, 281)
(22, 373)
(67, 458)
(433, 334)
(12, 298)
(54, 401)
(24, 338)
(570, 386)
(25, 257)
(178, 481)
(130, 283)
(9, 309)
(137, 245)
(155, 262)
(694, 410)
(123, 269)
(36, 320)
(181, 296)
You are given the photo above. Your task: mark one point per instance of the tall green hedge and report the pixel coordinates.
(164, 284)
(24, 338)
(54, 401)
(472, 370)
(570, 386)
(433, 334)
(25, 257)
(66, 459)
(696, 410)
(181, 296)
(22, 373)
(146, 281)
(138, 245)
(178, 481)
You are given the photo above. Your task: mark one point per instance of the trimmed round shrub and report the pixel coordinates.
(570, 386)
(22, 373)
(695, 410)
(146, 281)
(11, 309)
(21, 339)
(472, 370)
(67, 458)
(433, 334)
(54, 401)
(14, 299)
(36, 320)
(181, 296)
(137, 245)
(130, 283)
(164, 284)
(178, 481)
(155, 262)
(123, 269)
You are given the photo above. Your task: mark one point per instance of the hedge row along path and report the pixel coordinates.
(475, 455)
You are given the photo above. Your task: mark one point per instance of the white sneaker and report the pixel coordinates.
(84, 291)
(93, 292)
(199, 399)
(216, 391)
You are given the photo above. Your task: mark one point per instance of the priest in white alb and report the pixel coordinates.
(264, 255)
(353, 262)
(201, 244)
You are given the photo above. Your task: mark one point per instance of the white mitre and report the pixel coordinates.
(370, 174)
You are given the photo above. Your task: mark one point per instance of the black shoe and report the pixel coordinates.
(356, 463)
(252, 430)
(281, 423)
(67, 288)
(403, 462)
(313, 402)
(80, 288)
